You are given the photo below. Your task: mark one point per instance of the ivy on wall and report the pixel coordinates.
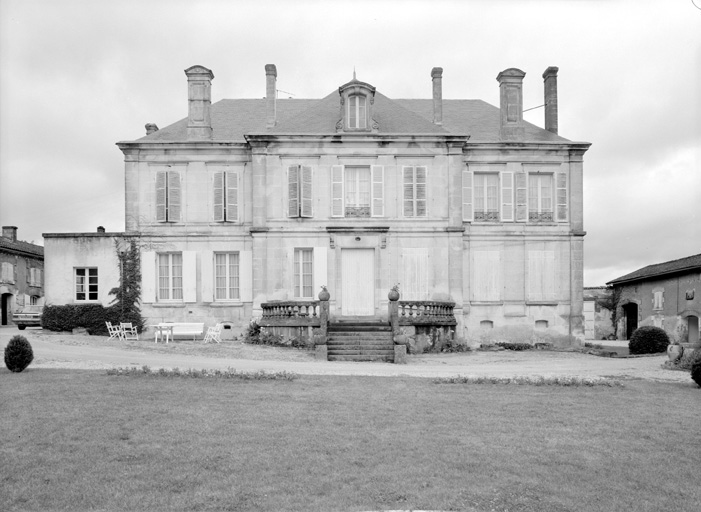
(128, 294)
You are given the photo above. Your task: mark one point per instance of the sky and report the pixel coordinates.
(77, 76)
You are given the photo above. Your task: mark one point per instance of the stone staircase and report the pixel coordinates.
(360, 340)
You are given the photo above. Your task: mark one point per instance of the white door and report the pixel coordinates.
(358, 275)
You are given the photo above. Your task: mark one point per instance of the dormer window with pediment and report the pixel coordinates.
(357, 100)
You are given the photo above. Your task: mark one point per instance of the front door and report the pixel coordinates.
(358, 276)
(631, 312)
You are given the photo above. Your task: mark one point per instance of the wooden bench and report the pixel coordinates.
(179, 329)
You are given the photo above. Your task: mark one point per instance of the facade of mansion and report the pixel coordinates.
(248, 202)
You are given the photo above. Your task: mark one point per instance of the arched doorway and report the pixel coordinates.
(692, 323)
(5, 304)
(630, 313)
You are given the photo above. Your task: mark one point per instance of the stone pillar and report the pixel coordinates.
(199, 95)
(511, 104)
(437, 76)
(324, 297)
(550, 98)
(393, 307)
(270, 95)
(400, 354)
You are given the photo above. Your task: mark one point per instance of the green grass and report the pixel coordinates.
(84, 440)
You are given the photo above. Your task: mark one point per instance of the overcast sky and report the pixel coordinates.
(76, 76)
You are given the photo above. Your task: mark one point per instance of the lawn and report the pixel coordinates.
(83, 440)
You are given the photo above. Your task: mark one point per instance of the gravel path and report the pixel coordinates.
(94, 352)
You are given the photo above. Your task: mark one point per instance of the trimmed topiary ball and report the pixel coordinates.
(18, 354)
(648, 340)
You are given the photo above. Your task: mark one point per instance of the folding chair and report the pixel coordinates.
(214, 334)
(115, 331)
(129, 331)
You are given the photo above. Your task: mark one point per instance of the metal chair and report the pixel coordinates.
(214, 333)
(129, 331)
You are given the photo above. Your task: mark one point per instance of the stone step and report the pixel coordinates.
(380, 358)
(370, 344)
(361, 350)
(359, 337)
(359, 328)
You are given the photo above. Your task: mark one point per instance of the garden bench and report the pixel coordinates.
(178, 329)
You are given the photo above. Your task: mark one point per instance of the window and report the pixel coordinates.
(34, 300)
(170, 276)
(226, 276)
(304, 273)
(168, 196)
(658, 299)
(86, 284)
(357, 188)
(540, 198)
(357, 117)
(8, 273)
(34, 276)
(414, 191)
(486, 190)
(226, 196)
(357, 191)
(299, 186)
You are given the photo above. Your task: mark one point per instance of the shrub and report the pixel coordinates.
(92, 317)
(696, 370)
(18, 354)
(515, 346)
(648, 340)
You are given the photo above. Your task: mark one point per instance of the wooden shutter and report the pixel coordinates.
(232, 196)
(486, 276)
(293, 191)
(189, 276)
(320, 270)
(174, 196)
(148, 277)
(378, 191)
(408, 185)
(561, 195)
(415, 273)
(306, 191)
(535, 275)
(507, 196)
(467, 201)
(421, 185)
(246, 276)
(207, 276)
(521, 197)
(337, 191)
(218, 196)
(161, 177)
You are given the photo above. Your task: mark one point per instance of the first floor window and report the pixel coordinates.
(657, 299)
(414, 184)
(8, 273)
(299, 191)
(304, 273)
(85, 284)
(226, 276)
(168, 196)
(170, 276)
(226, 207)
(486, 190)
(357, 189)
(540, 198)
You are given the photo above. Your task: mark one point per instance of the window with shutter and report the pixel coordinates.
(507, 196)
(226, 276)
(486, 197)
(521, 197)
(170, 277)
(562, 214)
(357, 191)
(540, 197)
(304, 273)
(8, 273)
(168, 196)
(306, 192)
(378, 191)
(414, 191)
(337, 191)
(299, 190)
(467, 202)
(226, 196)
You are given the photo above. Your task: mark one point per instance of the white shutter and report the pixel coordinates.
(207, 263)
(246, 276)
(293, 191)
(549, 271)
(306, 191)
(421, 186)
(337, 191)
(174, 196)
(486, 276)
(378, 191)
(232, 196)
(521, 197)
(561, 186)
(408, 184)
(189, 276)
(467, 201)
(320, 270)
(218, 196)
(161, 177)
(148, 277)
(507, 196)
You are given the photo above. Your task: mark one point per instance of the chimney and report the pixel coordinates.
(550, 81)
(199, 96)
(151, 128)
(437, 76)
(270, 94)
(511, 103)
(10, 232)
(100, 229)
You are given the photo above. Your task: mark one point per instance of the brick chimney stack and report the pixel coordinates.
(10, 232)
(437, 76)
(511, 103)
(550, 88)
(270, 95)
(199, 96)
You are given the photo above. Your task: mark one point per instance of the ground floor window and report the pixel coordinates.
(170, 276)
(226, 276)
(86, 284)
(304, 273)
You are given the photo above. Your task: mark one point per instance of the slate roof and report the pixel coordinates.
(689, 263)
(24, 248)
(234, 118)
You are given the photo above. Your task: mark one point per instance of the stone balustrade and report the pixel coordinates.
(291, 313)
(425, 312)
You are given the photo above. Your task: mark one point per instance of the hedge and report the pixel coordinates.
(92, 317)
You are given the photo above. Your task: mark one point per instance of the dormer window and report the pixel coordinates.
(357, 113)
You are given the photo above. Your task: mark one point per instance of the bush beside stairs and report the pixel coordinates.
(360, 340)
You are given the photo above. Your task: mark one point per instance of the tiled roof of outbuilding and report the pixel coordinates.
(7, 245)
(668, 267)
(234, 118)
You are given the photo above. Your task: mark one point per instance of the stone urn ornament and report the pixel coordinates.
(394, 293)
(324, 293)
(675, 351)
